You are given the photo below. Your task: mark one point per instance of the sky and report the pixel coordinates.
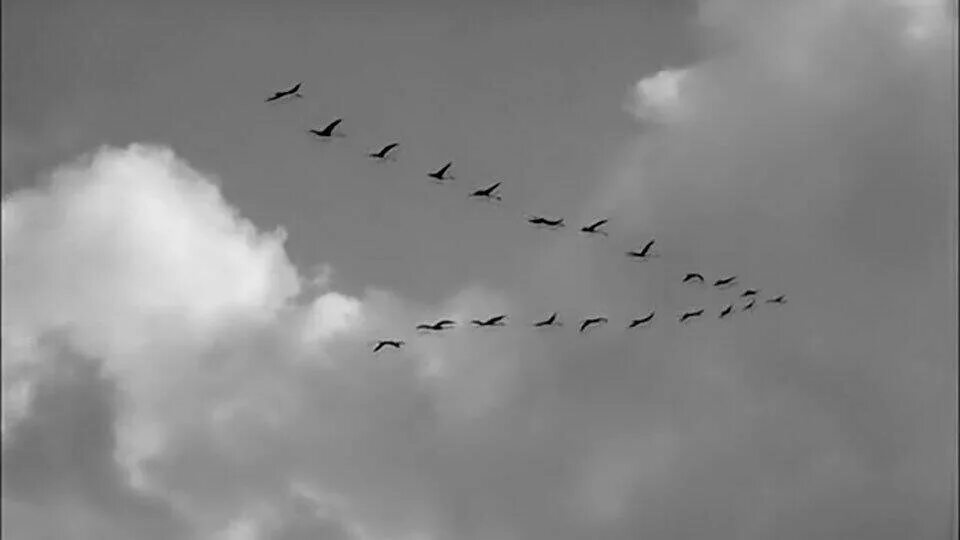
(192, 284)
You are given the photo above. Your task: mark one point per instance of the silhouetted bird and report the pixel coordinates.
(725, 281)
(593, 321)
(690, 315)
(439, 174)
(382, 154)
(327, 131)
(749, 306)
(643, 253)
(488, 192)
(437, 326)
(537, 220)
(492, 321)
(778, 300)
(749, 292)
(594, 228)
(295, 90)
(692, 276)
(549, 321)
(637, 322)
(726, 311)
(396, 344)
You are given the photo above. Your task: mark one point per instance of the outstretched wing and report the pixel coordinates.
(491, 189)
(332, 125)
(593, 226)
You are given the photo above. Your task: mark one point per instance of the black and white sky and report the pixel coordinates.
(192, 283)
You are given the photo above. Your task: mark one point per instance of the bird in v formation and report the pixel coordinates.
(292, 91)
(328, 130)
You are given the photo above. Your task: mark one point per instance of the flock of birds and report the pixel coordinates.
(490, 193)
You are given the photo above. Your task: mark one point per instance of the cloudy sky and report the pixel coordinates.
(191, 283)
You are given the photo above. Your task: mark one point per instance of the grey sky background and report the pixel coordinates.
(177, 367)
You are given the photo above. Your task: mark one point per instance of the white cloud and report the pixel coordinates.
(659, 96)
(141, 263)
(133, 239)
(331, 314)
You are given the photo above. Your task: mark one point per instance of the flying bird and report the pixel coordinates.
(437, 326)
(295, 90)
(382, 154)
(396, 344)
(327, 131)
(488, 192)
(593, 321)
(724, 281)
(439, 174)
(594, 228)
(690, 315)
(637, 322)
(749, 292)
(549, 321)
(492, 321)
(749, 306)
(692, 276)
(538, 220)
(778, 300)
(726, 311)
(643, 253)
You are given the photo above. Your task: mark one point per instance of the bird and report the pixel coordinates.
(538, 220)
(437, 326)
(690, 315)
(327, 131)
(749, 292)
(691, 276)
(396, 344)
(295, 90)
(488, 192)
(492, 321)
(637, 322)
(549, 321)
(778, 300)
(439, 174)
(592, 321)
(724, 281)
(726, 311)
(749, 306)
(643, 253)
(594, 228)
(382, 154)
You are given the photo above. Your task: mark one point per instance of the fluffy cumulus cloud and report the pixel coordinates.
(159, 349)
(168, 373)
(657, 97)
